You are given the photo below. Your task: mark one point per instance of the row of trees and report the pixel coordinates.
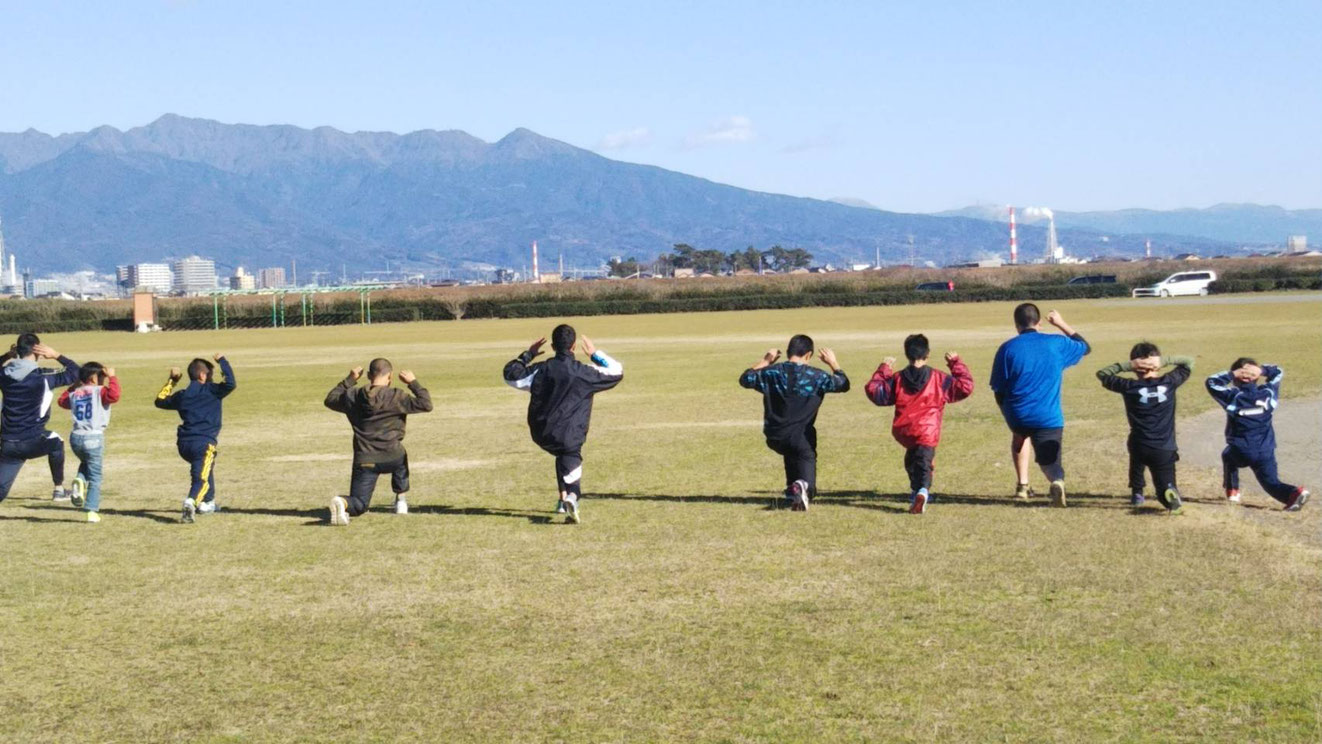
(685, 256)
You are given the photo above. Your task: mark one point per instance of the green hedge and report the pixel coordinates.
(1265, 284)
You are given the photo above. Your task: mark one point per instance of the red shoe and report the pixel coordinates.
(1232, 495)
(1298, 500)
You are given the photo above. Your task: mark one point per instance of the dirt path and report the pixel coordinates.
(1298, 443)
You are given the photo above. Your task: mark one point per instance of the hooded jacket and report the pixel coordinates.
(28, 392)
(378, 416)
(561, 388)
(920, 395)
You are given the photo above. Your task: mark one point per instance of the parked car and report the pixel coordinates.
(936, 287)
(1092, 279)
(1175, 285)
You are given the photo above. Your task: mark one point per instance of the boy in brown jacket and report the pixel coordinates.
(377, 414)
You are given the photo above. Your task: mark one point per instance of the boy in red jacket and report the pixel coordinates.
(919, 394)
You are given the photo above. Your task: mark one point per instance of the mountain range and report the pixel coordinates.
(258, 196)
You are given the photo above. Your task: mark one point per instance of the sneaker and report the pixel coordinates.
(571, 511)
(1232, 495)
(401, 504)
(1173, 502)
(559, 506)
(190, 511)
(77, 489)
(339, 512)
(800, 487)
(919, 502)
(1298, 500)
(59, 494)
(1023, 492)
(93, 517)
(1058, 493)
(1136, 499)
(208, 507)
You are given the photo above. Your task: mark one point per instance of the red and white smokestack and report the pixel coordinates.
(536, 275)
(1014, 240)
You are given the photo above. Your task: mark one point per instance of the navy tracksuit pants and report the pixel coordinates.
(15, 452)
(1263, 465)
(200, 454)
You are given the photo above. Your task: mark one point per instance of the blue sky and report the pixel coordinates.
(911, 106)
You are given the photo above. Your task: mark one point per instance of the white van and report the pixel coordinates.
(1183, 283)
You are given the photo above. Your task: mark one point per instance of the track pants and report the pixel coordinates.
(919, 463)
(799, 451)
(1263, 465)
(1159, 462)
(568, 471)
(363, 483)
(200, 454)
(13, 453)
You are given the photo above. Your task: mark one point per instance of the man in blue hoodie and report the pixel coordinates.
(28, 391)
(1026, 381)
(1250, 393)
(199, 412)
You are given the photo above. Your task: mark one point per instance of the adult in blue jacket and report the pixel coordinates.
(28, 391)
(1026, 379)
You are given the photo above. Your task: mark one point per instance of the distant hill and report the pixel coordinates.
(263, 195)
(1250, 224)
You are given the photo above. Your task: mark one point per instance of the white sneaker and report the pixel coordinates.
(339, 512)
(207, 507)
(802, 494)
(571, 511)
(77, 490)
(190, 511)
(401, 504)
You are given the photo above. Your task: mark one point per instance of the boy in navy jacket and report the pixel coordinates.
(1249, 402)
(28, 391)
(198, 405)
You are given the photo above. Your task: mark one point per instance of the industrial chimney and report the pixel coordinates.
(1014, 241)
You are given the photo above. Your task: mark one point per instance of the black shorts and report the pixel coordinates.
(1047, 443)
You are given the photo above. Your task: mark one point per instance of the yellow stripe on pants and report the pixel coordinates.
(207, 461)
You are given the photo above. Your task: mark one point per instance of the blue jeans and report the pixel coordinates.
(90, 449)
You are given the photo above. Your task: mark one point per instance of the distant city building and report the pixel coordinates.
(40, 287)
(273, 278)
(1296, 244)
(154, 276)
(194, 274)
(242, 279)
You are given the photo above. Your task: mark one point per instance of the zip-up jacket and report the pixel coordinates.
(90, 405)
(378, 416)
(920, 395)
(198, 404)
(560, 406)
(28, 392)
(791, 394)
(1249, 408)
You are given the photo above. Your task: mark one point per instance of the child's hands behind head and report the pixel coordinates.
(1248, 373)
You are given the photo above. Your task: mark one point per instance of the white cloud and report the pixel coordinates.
(625, 138)
(727, 130)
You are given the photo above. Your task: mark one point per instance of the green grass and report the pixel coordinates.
(683, 609)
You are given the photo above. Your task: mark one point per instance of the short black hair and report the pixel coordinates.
(915, 347)
(198, 366)
(90, 373)
(1143, 350)
(25, 344)
(379, 366)
(800, 345)
(563, 337)
(1027, 315)
(1243, 362)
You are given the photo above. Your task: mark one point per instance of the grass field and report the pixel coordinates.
(684, 609)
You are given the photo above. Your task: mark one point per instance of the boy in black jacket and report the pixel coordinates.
(1150, 407)
(791, 394)
(560, 408)
(377, 413)
(198, 405)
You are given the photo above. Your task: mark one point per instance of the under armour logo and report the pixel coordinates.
(1148, 394)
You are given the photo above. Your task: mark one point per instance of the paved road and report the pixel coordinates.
(1235, 299)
